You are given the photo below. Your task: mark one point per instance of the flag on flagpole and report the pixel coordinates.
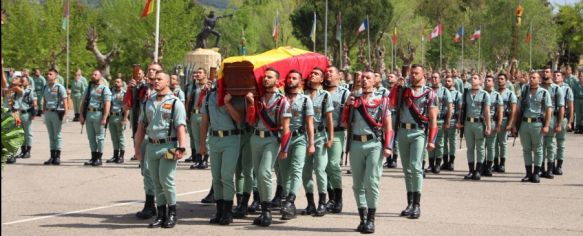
(363, 26)
(339, 28)
(395, 37)
(519, 15)
(275, 33)
(476, 35)
(529, 34)
(65, 15)
(436, 32)
(149, 8)
(313, 31)
(458, 35)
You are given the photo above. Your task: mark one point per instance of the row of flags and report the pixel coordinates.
(438, 31)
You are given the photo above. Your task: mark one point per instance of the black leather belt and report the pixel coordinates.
(162, 141)
(532, 120)
(52, 110)
(116, 113)
(196, 111)
(263, 134)
(363, 138)
(320, 128)
(91, 109)
(27, 111)
(475, 120)
(339, 129)
(408, 125)
(224, 133)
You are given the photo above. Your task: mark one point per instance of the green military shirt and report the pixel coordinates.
(117, 100)
(158, 115)
(557, 100)
(534, 106)
(24, 101)
(55, 96)
(578, 90)
(339, 98)
(571, 81)
(194, 91)
(495, 102)
(301, 107)
(456, 100)
(39, 83)
(179, 94)
(319, 109)
(61, 80)
(458, 84)
(423, 104)
(274, 110)
(219, 118)
(444, 99)
(567, 97)
(78, 87)
(382, 91)
(508, 98)
(377, 107)
(98, 96)
(476, 103)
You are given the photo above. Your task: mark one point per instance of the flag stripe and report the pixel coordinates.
(149, 8)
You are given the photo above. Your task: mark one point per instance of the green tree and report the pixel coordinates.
(569, 20)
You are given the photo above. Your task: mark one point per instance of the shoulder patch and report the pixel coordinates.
(167, 106)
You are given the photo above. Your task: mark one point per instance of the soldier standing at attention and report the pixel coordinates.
(301, 143)
(558, 105)
(496, 114)
(509, 115)
(392, 159)
(224, 147)
(274, 113)
(449, 145)
(39, 84)
(175, 88)
(196, 94)
(97, 103)
(323, 140)
(54, 108)
(417, 108)
(443, 122)
(164, 121)
(532, 124)
(578, 93)
(24, 103)
(339, 96)
(567, 121)
(117, 123)
(372, 139)
(476, 106)
(78, 88)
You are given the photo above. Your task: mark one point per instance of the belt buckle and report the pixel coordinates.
(407, 125)
(363, 138)
(472, 119)
(529, 120)
(196, 111)
(156, 141)
(220, 133)
(261, 134)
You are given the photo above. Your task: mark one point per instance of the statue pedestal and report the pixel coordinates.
(203, 58)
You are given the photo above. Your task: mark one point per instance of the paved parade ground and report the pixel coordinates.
(73, 199)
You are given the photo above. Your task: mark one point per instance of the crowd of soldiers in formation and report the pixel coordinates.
(307, 128)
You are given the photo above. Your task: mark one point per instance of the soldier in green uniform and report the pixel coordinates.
(164, 121)
(274, 113)
(476, 124)
(458, 82)
(301, 143)
(508, 119)
(244, 179)
(535, 118)
(78, 88)
(417, 128)
(371, 141)
(117, 123)
(443, 122)
(97, 103)
(196, 94)
(449, 145)
(24, 104)
(54, 108)
(496, 118)
(39, 83)
(558, 105)
(570, 78)
(567, 121)
(221, 123)
(175, 87)
(392, 159)
(578, 93)
(26, 74)
(323, 140)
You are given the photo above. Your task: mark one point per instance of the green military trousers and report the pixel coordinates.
(54, 128)
(561, 140)
(501, 146)
(95, 131)
(144, 169)
(40, 98)
(224, 153)
(333, 170)
(439, 142)
(450, 141)
(194, 132)
(474, 134)
(264, 152)
(316, 163)
(411, 147)
(491, 142)
(163, 172)
(26, 119)
(578, 113)
(531, 140)
(366, 163)
(77, 98)
(244, 170)
(116, 129)
(291, 168)
(549, 145)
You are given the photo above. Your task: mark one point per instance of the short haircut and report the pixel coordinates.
(503, 74)
(320, 69)
(203, 70)
(295, 71)
(416, 66)
(273, 70)
(54, 70)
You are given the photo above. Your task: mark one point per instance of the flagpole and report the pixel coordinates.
(314, 28)
(530, 46)
(368, 35)
(157, 38)
(326, 30)
(68, 41)
(423, 51)
(440, 36)
(480, 49)
(340, 40)
(462, 46)
(392, 55)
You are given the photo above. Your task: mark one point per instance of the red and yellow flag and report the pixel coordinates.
(149, 8)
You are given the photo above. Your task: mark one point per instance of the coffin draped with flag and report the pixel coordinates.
(242, 74)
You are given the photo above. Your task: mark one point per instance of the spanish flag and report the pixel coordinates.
(149, 8)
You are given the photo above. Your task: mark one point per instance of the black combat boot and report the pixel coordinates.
(197, 161)
(227, 213)
(288, 210)
(386, 164)
(362, 214)
(204, 163)
(470, 174)
(11, 159)
(488, 169)
(27, 154)
(114, 158)
(97, 161)
(407, 211)
(559, 168)
(120, 157)
(241, 210)
(502, 166)
(50, 160)
(423, 169)
(337, 208)
(311, 208)
(431, 167)
(220, 204)
(256, 204)
(331, 198)
(238, 196)
(437, 168)
(192, 156)
(265, 218)
(496, 166)
(416, 209)
(528, 176)
(210, 197)
(22, 152)
(477, 173)
(171, 219)
(535, 176)
(369, 226)
(92, 160)
(57, 159)
(276, 201)
(76, 118)
(149, 209)
(451, 163)
(550, 169)
(445, 162)
(393, 163)
(321, 211)
(160, 219)
(542, 172)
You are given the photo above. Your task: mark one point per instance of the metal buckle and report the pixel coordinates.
(220, 133)
(156, 141)
(407, 125)
(529, 120)
(196, 111)
(472, 119)
(363, 138)
(261, 134)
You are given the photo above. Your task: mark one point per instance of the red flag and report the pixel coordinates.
(149, 8)
(529, 34)
(395, 37)
(436, 31)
